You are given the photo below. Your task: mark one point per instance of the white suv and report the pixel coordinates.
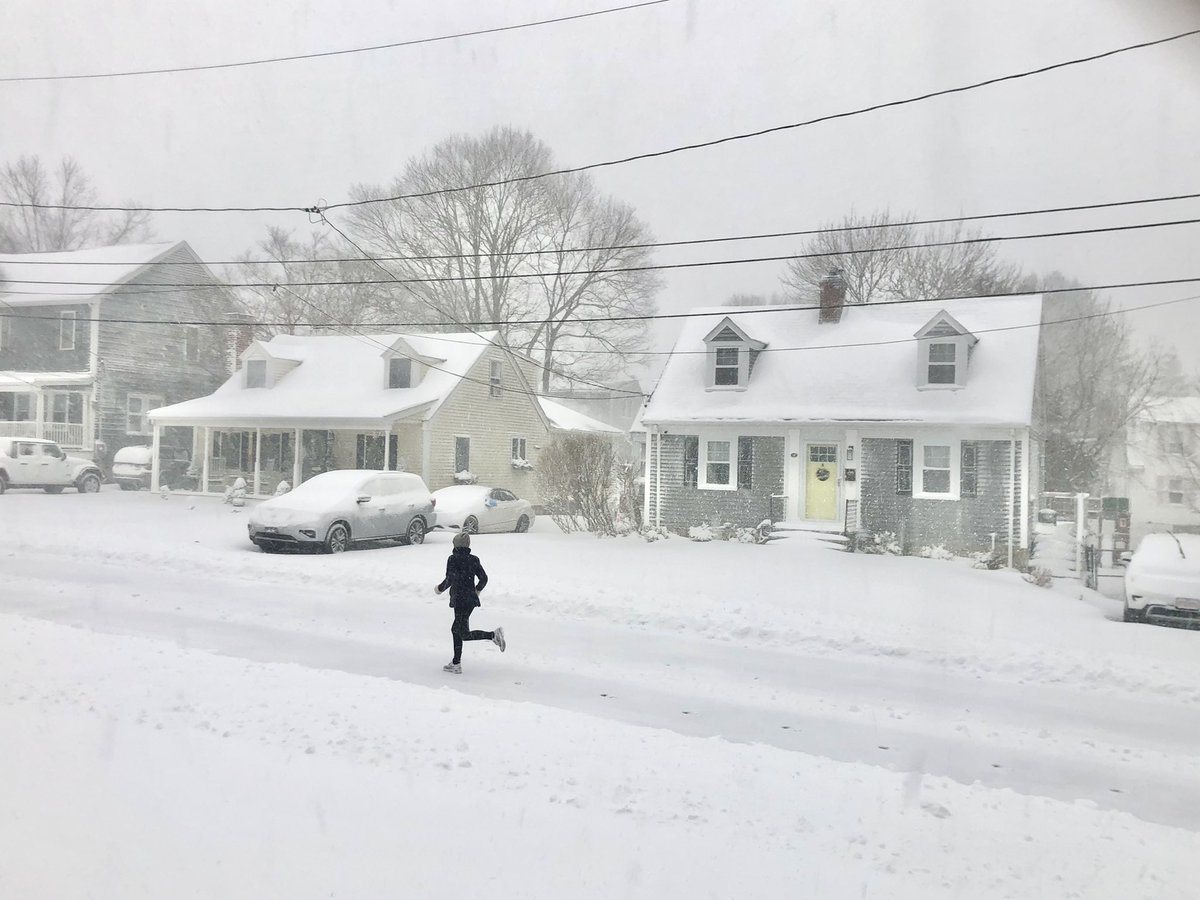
(35, 463)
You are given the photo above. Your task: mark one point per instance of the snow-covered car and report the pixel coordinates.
(475, 508)
(335, 510)
(132, 468)
(1162, 580)
(36, 463)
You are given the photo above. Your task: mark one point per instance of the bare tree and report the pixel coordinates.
(31, 229)
(284, 298)
(475, 255)
(880, 262)
(1094, 381)
(459, 250)
(590, 244)
(774, 299)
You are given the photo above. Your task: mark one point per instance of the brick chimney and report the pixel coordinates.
(833, 297)
(238, 338)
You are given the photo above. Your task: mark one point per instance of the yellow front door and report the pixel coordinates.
(821, 482)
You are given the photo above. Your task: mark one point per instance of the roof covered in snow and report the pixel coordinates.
(861, 369)
(30, 380)
(563, 418)
(74, 276)
(339, 381)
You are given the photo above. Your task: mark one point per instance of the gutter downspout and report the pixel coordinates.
(1012, 487)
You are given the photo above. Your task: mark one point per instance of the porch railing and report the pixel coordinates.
(69, 435)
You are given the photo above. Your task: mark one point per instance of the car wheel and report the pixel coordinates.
(126, 486)
(522, 524)
(88, 484)
(3, 484)
(53, 489)
(338, 539)
(415, 533)
(470, 525)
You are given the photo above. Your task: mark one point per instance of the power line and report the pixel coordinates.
(863, 110)
(327, 53)
(808, 232)
(393, 279)
(718, 311)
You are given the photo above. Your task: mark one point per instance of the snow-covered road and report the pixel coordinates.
(1031, 737)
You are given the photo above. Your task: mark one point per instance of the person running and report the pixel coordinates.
(465, 578)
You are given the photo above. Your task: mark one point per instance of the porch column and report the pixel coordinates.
(40, 413)
(1026, 493)
(648, 449)
(206, 454)
(297, 449)
(658, 481)
(155, 464)
(257, 461)
(386, 453)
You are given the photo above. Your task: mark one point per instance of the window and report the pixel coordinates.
(462, 454)
(4, 338)
(136, 407)
(717, 464)
(495, 382)
(745, 463)
(66, 331)
(256, 373)
(1172, 440)
(518, 448)
(935, 469)
(16, 407)
(1175, 490)
(368, 452)
(66, 406)
(400, 372)
(191, 343)
(943, 367)
(234, 449)
(968, 469)
(691, 460)
(727, 366)
(904, 467)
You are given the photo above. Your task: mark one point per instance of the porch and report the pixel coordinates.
(267, 456)
(54, 406)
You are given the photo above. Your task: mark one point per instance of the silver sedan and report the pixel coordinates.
(476, 508)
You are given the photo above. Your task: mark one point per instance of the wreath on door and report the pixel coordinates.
(822, 474)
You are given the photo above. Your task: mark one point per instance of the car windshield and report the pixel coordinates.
(327, 487)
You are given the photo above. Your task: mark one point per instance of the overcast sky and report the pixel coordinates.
(610, 86)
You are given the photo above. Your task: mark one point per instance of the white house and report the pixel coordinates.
(912, 418)
(434, 404)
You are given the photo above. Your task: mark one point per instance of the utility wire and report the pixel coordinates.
(327, 53)
(808, 232)
(393, 279)
(863, 110)
(707, 312)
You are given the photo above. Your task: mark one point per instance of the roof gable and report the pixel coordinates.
(729, 331)
(944, 325)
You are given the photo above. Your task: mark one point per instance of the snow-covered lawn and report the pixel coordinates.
(671, 719)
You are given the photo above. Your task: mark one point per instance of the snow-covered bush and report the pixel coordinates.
(759, 534)
(1040, 576)
(653, 533)
(880, 542)
(282, 488)
(578, 476)
(701, 533)
(235, 494)
(622, 526)
(464, 477)
(936, 551)
(987, 559)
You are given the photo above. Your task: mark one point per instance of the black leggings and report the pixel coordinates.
(461, 631)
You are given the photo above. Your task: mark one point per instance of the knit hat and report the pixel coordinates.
(462, 539)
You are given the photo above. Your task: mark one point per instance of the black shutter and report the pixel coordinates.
(691, 459)
(904, 467)
(745, 463)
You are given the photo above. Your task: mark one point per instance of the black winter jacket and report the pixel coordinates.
(464, 577)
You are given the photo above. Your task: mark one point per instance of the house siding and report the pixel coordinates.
(964, 524)
(151, 358)
(31, 344)
(684, 505)
(491, 423)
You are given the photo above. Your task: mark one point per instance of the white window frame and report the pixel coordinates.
(702, 481)
(496, 378)
(454, 453)
(148, 402)
(743, 365)
(523, 445)
(962, 350)
(955, 448)
(1182, 492)
(63, 319)
(266, 374)
(392, 360)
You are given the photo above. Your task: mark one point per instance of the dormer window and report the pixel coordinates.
(943, 353)
(727, 368)
(943, 367)
(731, 355)
(256, 373)
(399, 372)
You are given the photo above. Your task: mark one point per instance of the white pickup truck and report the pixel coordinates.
(36, 463)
